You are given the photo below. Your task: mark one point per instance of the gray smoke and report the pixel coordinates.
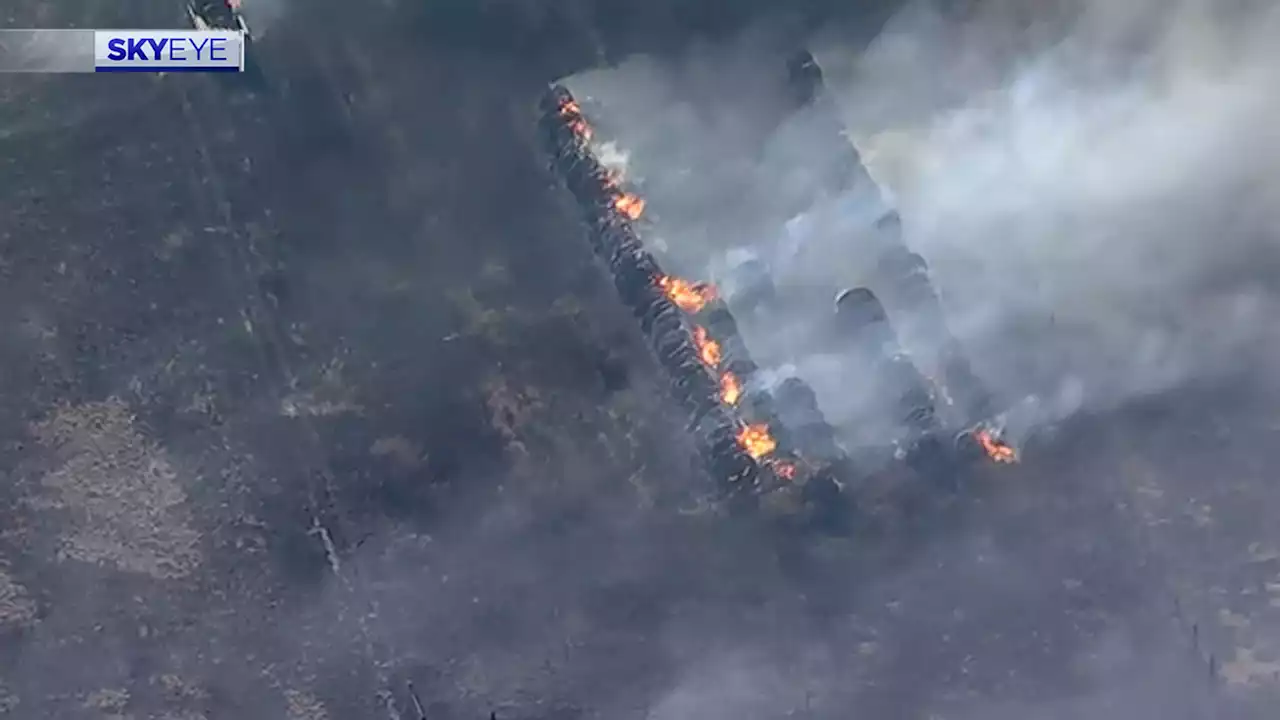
(1092, 184)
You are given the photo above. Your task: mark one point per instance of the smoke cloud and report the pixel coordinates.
(1092, 185)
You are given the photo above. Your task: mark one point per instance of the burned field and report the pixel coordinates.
(314, 393)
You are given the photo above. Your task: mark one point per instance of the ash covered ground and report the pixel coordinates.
(312, 395)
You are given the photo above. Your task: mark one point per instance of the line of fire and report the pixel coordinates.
(691, 329)
(769, 440)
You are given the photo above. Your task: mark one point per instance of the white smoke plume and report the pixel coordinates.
(1093, 185)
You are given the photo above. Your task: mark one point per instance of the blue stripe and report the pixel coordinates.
(160, 69)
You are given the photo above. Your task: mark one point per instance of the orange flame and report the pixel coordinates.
(689, 297)
(995, 449)
(730, 388)
(756, 440)
(630, 205)
(572, 113)
(708, 349)
(784, 470)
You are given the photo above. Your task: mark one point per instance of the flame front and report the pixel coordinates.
(688, 296)
(994, 448)
(572, 114)
(756, 440)
(708, 349)
(730, 388)
(629, 204)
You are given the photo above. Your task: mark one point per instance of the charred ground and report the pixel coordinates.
(311, 395)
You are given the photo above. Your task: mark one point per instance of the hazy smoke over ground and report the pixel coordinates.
(498, 508)
(1091, 183)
